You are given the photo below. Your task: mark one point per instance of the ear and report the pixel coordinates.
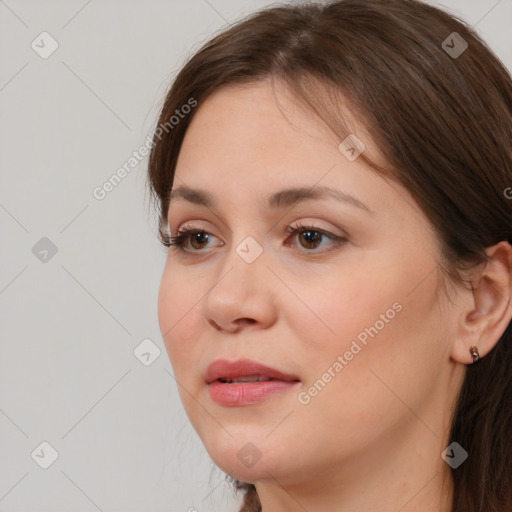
(489, 311)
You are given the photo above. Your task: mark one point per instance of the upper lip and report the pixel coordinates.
(224, 369)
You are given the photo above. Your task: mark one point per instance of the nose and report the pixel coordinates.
(241, 297)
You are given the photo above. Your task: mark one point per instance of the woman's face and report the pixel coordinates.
(356, 319)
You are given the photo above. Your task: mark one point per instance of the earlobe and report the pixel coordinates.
(490, 311)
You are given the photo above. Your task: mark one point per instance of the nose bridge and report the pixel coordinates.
(241, 290)
(245, 251)
(242, 271)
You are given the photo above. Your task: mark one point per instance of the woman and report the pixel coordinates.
(334, 186)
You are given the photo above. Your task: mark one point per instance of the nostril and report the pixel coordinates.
(233, 326)
(241, 322)
(214, 324)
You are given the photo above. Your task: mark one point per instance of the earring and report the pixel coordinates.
(474, 354)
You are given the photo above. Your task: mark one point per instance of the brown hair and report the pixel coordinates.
(443, 124)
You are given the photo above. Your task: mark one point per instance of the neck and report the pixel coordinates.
(395, 475)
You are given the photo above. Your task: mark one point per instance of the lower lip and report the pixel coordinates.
(247, 393)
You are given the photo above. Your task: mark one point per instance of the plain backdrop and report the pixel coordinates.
(90, 417)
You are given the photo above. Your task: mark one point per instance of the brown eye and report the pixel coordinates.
(311, 239)
(197, 239)
(188, 237)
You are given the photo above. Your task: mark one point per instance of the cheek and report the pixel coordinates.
(343, 308)
(381, 304)
(391, 346)
(179, 310)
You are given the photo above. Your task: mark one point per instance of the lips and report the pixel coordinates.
(244, 382)
(244, 370)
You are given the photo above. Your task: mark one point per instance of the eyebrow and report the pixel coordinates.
(281, 199)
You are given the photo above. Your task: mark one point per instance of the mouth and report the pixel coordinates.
(245, 382)
(244, 370)
(252, 378)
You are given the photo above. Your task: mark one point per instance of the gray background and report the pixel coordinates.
(70, 324)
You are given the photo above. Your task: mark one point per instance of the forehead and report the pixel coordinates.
(260, 125)
(248, 141)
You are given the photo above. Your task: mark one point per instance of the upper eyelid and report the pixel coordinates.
(299, 223)
(187, 230)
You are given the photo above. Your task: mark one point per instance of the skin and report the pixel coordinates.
(371, 439)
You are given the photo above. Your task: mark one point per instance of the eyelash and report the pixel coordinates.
(179, 240)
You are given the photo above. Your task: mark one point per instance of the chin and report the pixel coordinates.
(246, 457)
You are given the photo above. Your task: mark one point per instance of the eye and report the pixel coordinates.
(311, 237)
(198, 239)
(190, 239)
